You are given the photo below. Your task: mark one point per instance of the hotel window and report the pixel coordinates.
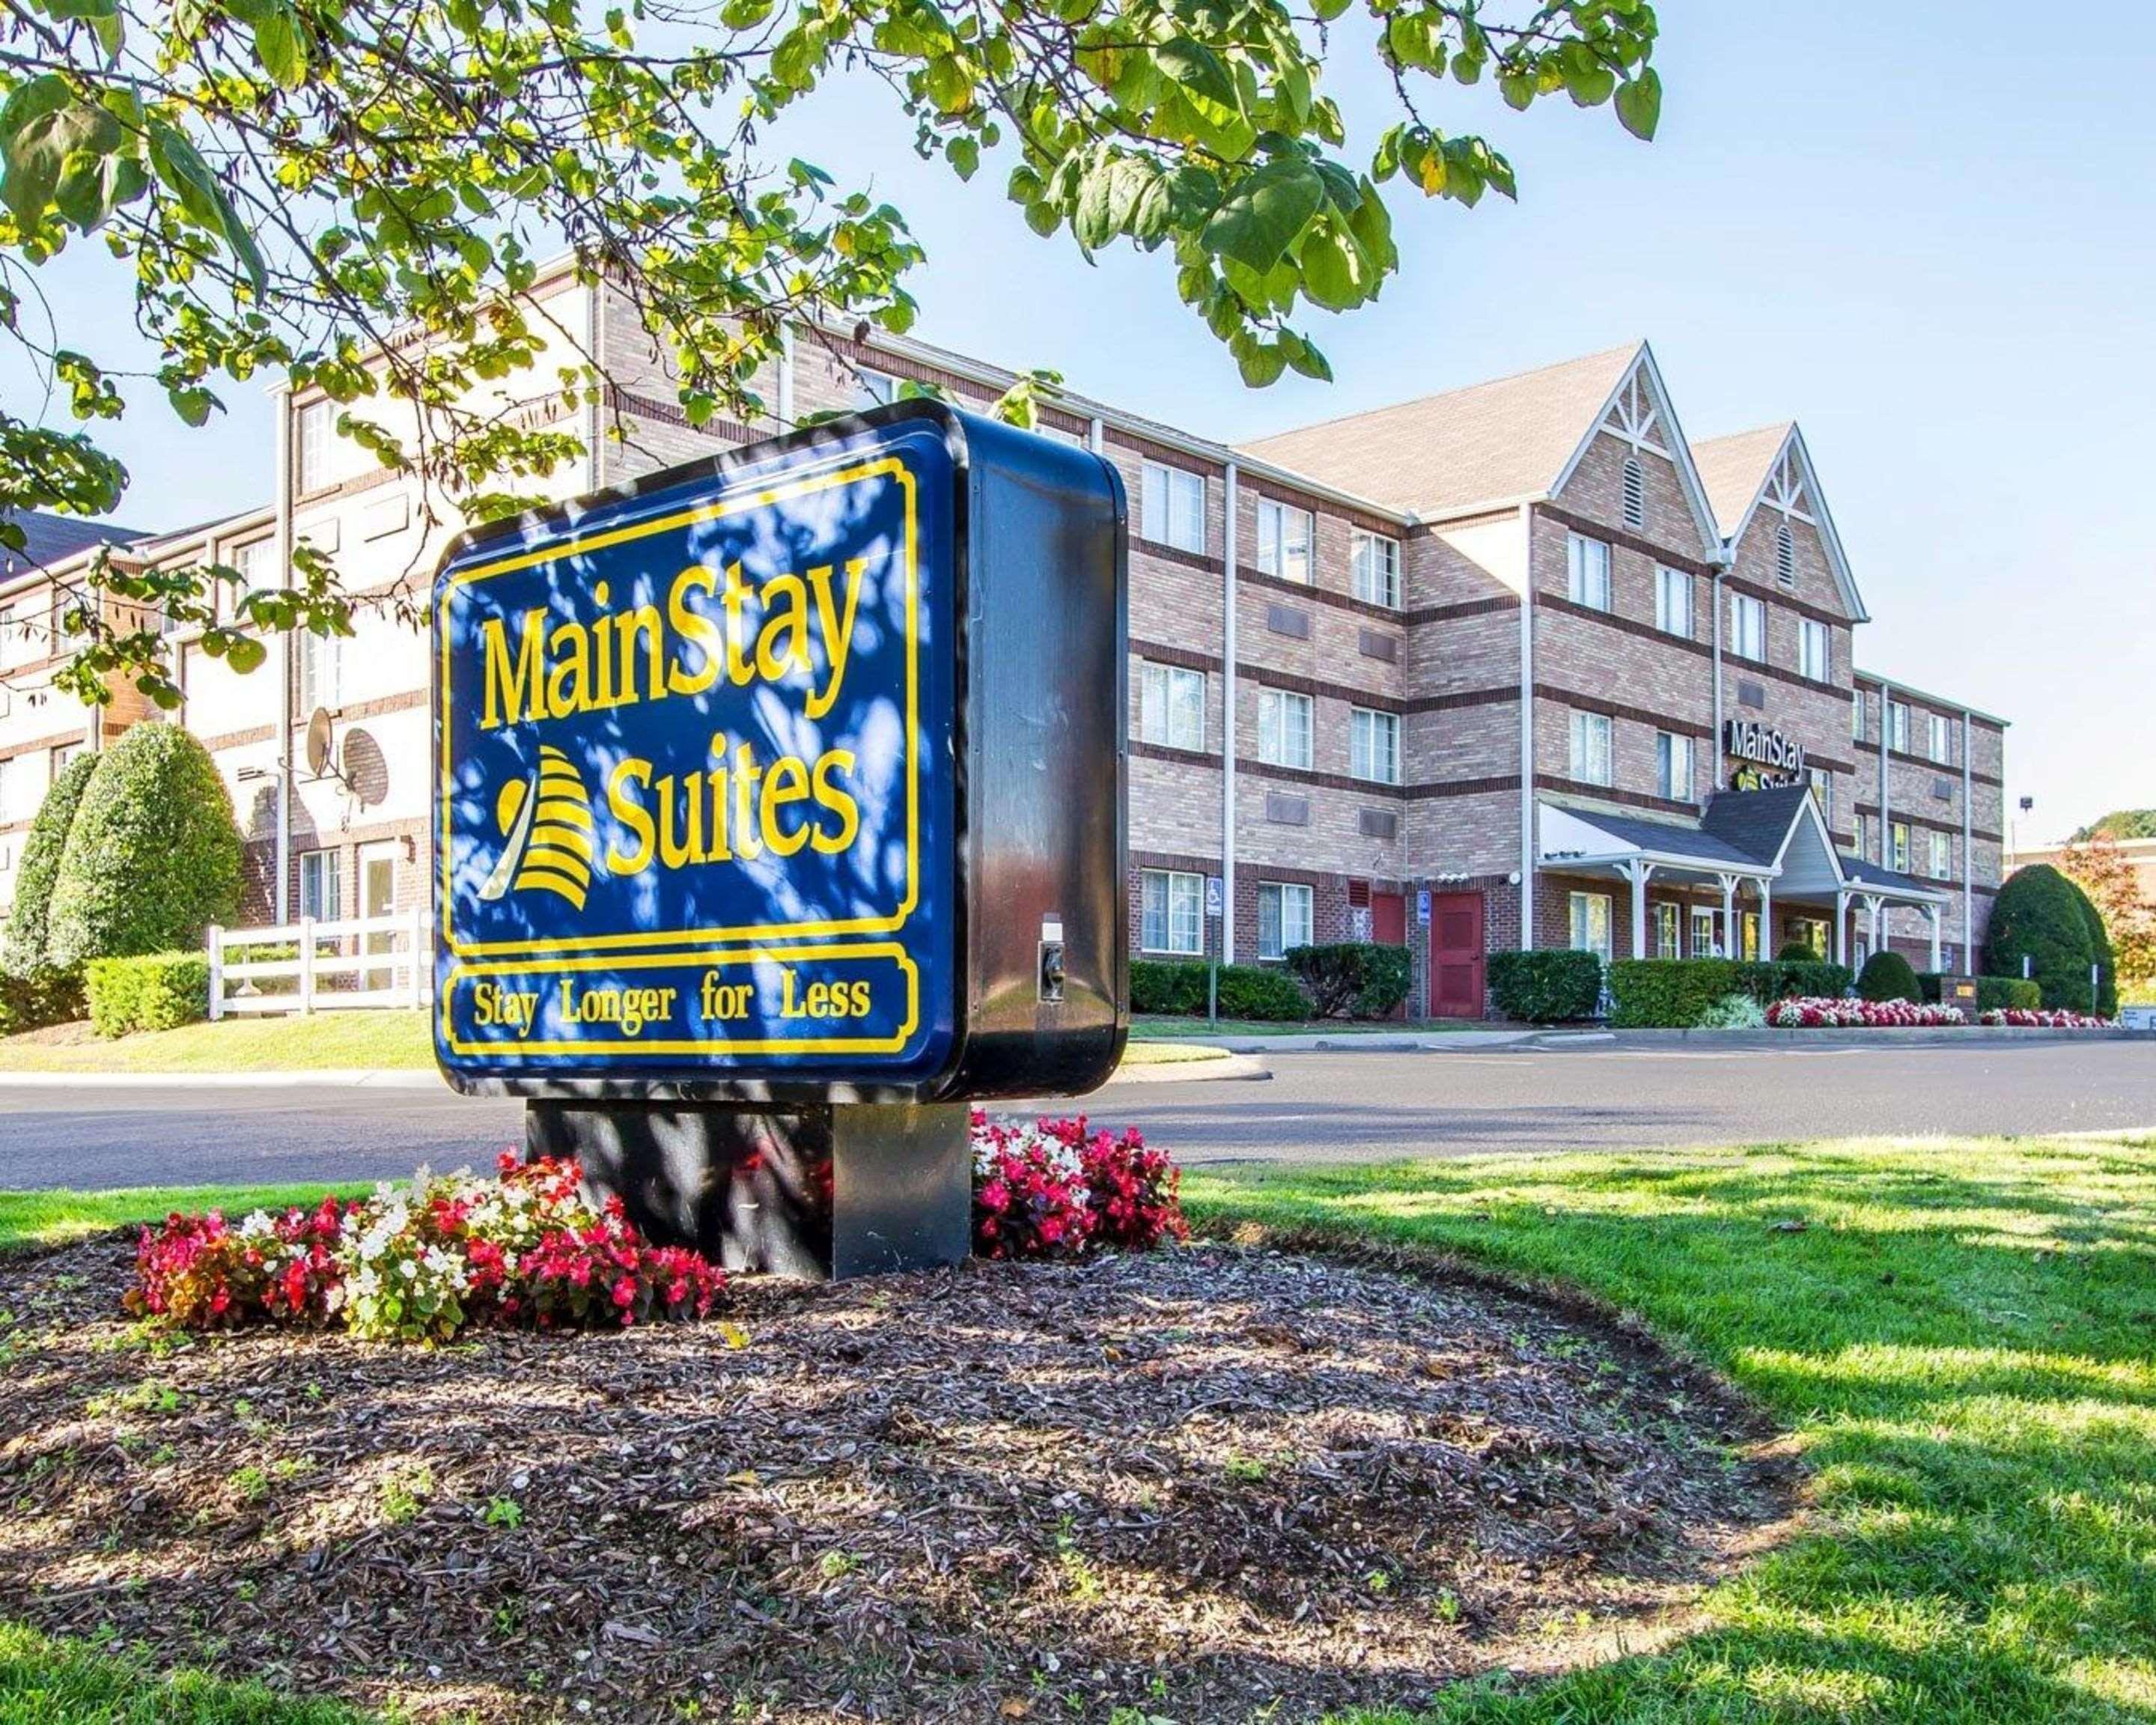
(1898, 726)
(311, 446)
(1374, 746)
(1171, 912)
(63, 756)
(322, 671)
(22, 629)
(1823, 791)
(1590, 748)
(1900, 860)
(1814, 650)
(1942, 857)
(1635, 493)
(1172, 706)
(319, 881)
(1703, 935)
(1865, 848)
(11, 778)
(1939, 737)
(1590, 924)
(1666, 933)
(1377, 570)
(1747, 627)
(1171, 507)
(1587, 571)
(873, 388)
(1284, 540)
(1673, 602)
(1283, 918)
(1673, 766)
(1785, 556)
(1284, 729)
(1856, 715)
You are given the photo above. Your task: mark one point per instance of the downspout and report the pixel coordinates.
(282, 895)
(1232, 492)
(1714, 759)
(1967, 847)
(1527, 730)
(595, 409)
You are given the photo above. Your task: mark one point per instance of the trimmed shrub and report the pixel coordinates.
(1798, 953)
(1246, 990)
(44, 995)
(156, 991)
(2038, 916)
(42, 850)
(1548, 985)
(1810, 975)
(1673, 993)
(153, 855)
(1358, 979)
(1993, 993)
(2106, 962)
(1888, 976)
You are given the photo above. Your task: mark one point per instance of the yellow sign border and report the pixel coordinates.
(732, 503)
(829, 1044)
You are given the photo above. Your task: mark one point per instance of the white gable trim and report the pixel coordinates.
(1646, 420)
(1789, 473)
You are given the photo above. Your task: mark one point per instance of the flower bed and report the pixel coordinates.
(1832, 1013)
(1058, 1187)
(422, 1260)
(2025, 1018)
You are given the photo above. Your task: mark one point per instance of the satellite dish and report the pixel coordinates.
(320, 737)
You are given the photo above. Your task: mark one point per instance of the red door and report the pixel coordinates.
(1455, 955)
(1388, 927)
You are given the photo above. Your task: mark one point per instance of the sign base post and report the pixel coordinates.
(824, 1191)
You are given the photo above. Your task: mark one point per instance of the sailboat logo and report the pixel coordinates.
(546, 830)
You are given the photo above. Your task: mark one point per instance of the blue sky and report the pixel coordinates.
(1929, 235)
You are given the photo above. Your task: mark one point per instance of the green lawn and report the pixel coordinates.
(346, 1041)
(1960, 1335)
(43, 1219)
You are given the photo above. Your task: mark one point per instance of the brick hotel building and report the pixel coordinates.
(1514, 666)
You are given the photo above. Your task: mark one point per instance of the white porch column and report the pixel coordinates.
(1728, 915)
(1769, 946)
(1931, 913)
(1840, 926)
(1639, 872)
(1872, 904)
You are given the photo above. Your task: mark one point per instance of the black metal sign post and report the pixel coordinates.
(781, 817)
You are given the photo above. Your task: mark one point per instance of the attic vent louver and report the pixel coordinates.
(1785, 557)
(1635, 493)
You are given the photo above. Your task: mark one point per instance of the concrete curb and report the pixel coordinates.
(1226, 1067)
(1916, 1036)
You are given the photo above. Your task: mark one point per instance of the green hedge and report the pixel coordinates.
(2039, 916)
(156, 991)
(1246, 990)
(43, 995)
(152, 856)
(1361, 979)
(1888, 976)
(1547, 986)
(26, 949)
(1679, 993)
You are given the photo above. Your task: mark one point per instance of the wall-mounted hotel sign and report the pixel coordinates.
(791, 777)
(1764, 756)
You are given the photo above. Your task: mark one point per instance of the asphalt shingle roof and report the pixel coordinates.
(1733, 468)
(1861, 873)
(55, 538)
(1671, 838)
(1756, 822)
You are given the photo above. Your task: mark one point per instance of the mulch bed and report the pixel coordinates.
(1204, 1484)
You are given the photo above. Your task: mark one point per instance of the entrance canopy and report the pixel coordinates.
(1774, 840)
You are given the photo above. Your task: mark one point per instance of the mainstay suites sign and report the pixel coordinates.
(795, 772)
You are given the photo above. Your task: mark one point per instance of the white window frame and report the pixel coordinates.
(1673, 611)
(1865, 848)
(1822, 784)
(1287, 541)
(1587, 910)
(1181, 922)
(1592, 735)
(314, 435)
(320, 868)
(1587, 570)
(1898, 726)
(1291, 908)
(1287, 729)
(1171, 704)
(1705, 930)
(1747, 627)
(1901, 846)
(874, 389)
(1938, 739)
(1375, 565)
(319, 672)
(1674, 751)
(1856, 716)
(1373, 745)
(1942, 857)
(10, 775)
(1814, 650)
(1171, 507)
(1669, 930)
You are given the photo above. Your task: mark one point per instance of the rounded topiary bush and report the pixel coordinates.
(153, 856)
(2038, 916)
(1888, 976)
(42, 850)
(2105, 1000)
(1797, 952)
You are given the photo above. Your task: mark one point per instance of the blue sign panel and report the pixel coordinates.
(696, 776)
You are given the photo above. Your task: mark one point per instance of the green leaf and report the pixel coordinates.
(1333, 272)
(193, 405)
(1198, 71)
(1259, 363)
(180, 165)
(244, 653)
(965, 155)
(1639, 104)
(31, 146)
(1260, 218)
(282, 47)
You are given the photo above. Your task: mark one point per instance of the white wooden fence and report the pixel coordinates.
(311, 966)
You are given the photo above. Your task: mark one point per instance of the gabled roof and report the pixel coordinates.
(1758, 822)
(1652, 838)
(52, 539)
(1740, 470)
(1489, 444)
